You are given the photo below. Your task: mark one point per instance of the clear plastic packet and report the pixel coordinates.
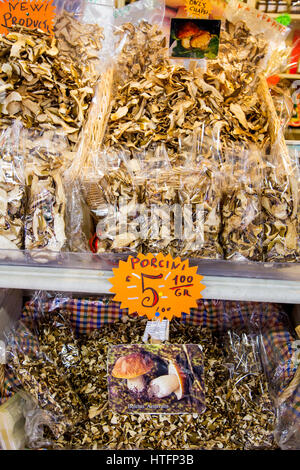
(279, 190)
(73, 58)
(283, 373)
(114, 197)
(45, 214)
(12, 421)
(279, 204)
(248, 387)
(226, 421)
(262, 29)
(242, 219)
(199, 196)
(151, 11)
(236, 337)
(12, 189)
(161, 233)
(154, 98)
(79, 225)
(41, 353)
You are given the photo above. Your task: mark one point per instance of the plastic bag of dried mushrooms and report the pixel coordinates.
(202, 118)
(57, 353)
(51, 84)
(12, 189)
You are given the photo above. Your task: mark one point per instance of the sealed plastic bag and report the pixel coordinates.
(242, 220)
(70, 59)
(41, 352)
(280, 202)
(200, 200)
(45, 223)
(12, 189)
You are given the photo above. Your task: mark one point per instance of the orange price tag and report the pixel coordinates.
(33, 14)
(156, 286)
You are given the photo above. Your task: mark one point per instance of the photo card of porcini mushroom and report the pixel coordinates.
(156, 378)
(194, 39)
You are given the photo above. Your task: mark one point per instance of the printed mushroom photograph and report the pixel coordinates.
(194, 38)
(152, 378)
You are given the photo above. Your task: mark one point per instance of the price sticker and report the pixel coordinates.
(33, 14)
(156, 286)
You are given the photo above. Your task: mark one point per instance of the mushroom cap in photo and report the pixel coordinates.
(202, 40)
(188, 30)
(132, 366)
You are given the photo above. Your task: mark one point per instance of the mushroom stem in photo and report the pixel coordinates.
(137, 384)
(163, 386)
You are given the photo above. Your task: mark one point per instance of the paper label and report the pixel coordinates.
(156, 378)
(157, 330)
(157, 286)
(198, 8)
(33, 14)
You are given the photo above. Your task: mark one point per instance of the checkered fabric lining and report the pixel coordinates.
(268, 319)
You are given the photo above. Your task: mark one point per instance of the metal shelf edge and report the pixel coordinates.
(97, 282)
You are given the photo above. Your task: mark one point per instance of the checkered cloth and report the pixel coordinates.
(267, 320)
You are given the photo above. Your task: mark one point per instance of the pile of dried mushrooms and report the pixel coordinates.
(239, 413)
(208, 122)
(47, 83)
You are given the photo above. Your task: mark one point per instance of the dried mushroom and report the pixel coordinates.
(201, 194)
(158, 101)
(200, 117)
(242, 219)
